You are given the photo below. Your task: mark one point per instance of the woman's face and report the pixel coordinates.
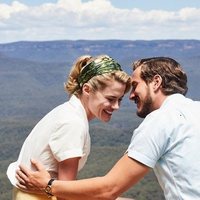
(101, 104)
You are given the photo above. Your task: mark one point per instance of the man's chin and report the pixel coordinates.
(141, 115)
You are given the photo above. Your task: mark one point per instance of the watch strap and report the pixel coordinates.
(47, 189)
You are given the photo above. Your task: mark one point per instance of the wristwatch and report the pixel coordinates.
(47, 189)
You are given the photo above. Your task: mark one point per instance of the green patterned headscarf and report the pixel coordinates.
(99, 66)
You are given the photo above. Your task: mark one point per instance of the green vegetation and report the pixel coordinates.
(31, 84)
(103, 158)
(109, 142)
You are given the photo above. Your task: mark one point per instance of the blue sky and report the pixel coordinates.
(143, 4)
(99, 19)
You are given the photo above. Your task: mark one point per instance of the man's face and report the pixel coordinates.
(141, 94)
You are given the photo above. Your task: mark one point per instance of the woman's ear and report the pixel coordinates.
(157, 82)
(86, 89)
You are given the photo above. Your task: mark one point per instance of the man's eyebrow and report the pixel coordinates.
(134, 83)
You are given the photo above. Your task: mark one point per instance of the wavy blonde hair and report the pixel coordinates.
(97, 82)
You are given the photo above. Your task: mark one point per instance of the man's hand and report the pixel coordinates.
(32, 181)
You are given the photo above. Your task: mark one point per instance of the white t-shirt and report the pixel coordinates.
(62, 134)
(168, 140)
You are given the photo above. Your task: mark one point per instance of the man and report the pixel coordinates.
(167, 141)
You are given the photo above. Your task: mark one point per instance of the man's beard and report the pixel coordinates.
(146, 107)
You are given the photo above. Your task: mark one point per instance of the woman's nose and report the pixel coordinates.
(116, 105)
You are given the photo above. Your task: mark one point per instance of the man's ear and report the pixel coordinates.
(86, 89)
(157, 82)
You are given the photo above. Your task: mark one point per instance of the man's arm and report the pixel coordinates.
(67, 170)
(125, 173)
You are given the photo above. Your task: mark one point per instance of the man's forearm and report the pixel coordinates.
(87, 189)
(125, 173)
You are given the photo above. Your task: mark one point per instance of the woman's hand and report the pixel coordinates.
(32, 181)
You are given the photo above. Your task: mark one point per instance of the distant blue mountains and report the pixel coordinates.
(31, 84)
(32, 73)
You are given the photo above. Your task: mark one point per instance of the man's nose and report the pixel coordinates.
(132, 95)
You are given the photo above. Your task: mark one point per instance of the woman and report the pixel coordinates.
(61, 139)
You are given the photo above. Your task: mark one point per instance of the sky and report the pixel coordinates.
(37, 20)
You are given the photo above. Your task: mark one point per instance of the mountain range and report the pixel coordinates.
(31, 83)
(33, 73)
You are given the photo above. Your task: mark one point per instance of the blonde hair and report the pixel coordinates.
(97, 82)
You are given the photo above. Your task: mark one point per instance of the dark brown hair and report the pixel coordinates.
(174, 79)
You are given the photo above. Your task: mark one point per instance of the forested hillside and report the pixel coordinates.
(31, 83)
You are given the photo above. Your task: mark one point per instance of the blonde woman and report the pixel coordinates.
(61, 139)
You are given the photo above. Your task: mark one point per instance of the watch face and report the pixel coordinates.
(47, 189)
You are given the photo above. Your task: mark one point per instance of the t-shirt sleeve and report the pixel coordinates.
(149, 141)
(68, 141)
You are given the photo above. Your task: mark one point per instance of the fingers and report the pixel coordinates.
(22, 187)
(29, 189)
(32, 180)
(25, 184)
(22, 175)
(18, 176)
(24, 171)
(23, 180)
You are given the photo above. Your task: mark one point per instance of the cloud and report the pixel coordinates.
(6, 11)
(96, 19)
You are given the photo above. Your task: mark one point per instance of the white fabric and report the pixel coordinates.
(168, 140)
(62, 134)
